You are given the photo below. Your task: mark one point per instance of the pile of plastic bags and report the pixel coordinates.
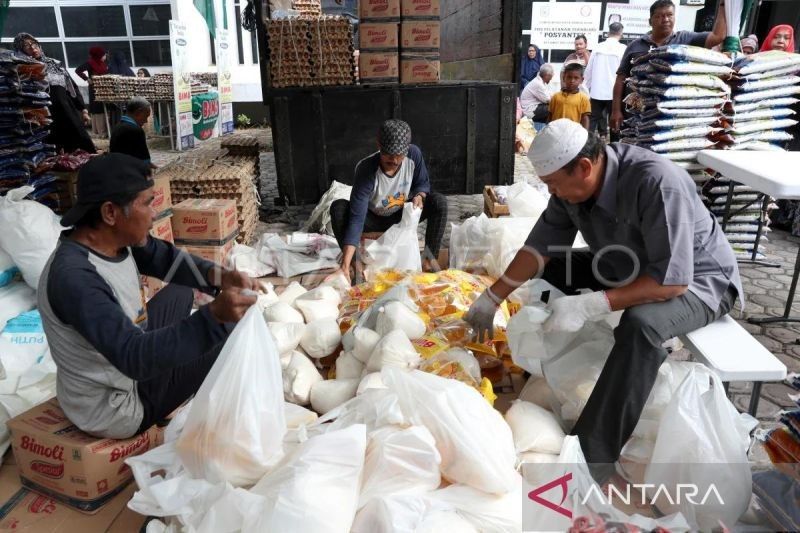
(24, 120)
(297, 253)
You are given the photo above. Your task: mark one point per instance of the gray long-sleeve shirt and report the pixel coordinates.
(647, 220)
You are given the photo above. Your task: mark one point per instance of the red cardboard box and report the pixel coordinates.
(419, 68)
(206, 222)
(162, 229)
(374, 36)
(420, 35)
(215, 254)
(59, 460)
(379, 67)
(425, 9)
(162, 201)
(379, 10)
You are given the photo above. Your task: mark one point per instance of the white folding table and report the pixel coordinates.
(774, 174)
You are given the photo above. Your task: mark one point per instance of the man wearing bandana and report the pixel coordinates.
(383, 183)
(655, 252)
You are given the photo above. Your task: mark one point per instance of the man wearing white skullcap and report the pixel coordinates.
(655, 252)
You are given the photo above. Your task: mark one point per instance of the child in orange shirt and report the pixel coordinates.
(570, 102)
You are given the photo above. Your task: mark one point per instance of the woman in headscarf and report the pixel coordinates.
(530, 66)
(69, 114)
(95, 66)
(781, 38)
(142, 73)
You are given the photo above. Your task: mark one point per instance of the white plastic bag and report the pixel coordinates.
(320, 217)
(365, 341)
(398, 247)
(394, 349)
(348, 367)
(321, 338)
(703, 441)
(319, 303)
(400, 461)
(292, 291)
(395, 315)
(234, 430)
(8, 270)
(287, 335)
(475, 442)
(30, 233)
(534, 429)
(525, 201)
(245, 259)
(372, 380)
(299, 377)
(331, 393)
(15, 299)
(282, 312)
(537, 391)
(375, 408)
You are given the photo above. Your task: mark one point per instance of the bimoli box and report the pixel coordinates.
(215, 254)
(162, 229)
(374, 36)
(424, 9)
(379, 10)
(204, 221)
(379, 67)
(162, 201)
(420, 35)
(59, 460)
(419, 68)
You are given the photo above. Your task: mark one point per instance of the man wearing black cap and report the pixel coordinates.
(123, 364)
(383, 183)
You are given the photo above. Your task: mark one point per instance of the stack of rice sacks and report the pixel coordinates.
(24, 123)
(676, 100)
(764, 87)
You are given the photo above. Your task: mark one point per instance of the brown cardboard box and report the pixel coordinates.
(420, 35)
(59, 460)
(491, 205)
(419, 68)
(206, 222)
(25, 510)
(420, 9)
(379, 10)
(376, 36)
(379, 67)
(162, 229)
(163, 199)
(215, 254)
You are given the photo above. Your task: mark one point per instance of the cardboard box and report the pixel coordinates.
(491, 206)
(25, 510)
(379, 10)
(206, 222)
(420, 68)
(163, 198)
(59, 460)
(162, 229)
(420, 35)
(419, 9)
(380, 37)
(215, 254)
(379, 67)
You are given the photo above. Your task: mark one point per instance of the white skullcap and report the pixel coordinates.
(556, 145)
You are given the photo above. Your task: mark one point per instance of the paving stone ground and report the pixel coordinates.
(766, 288)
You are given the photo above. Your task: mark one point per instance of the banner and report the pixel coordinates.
(224, 85)
(182, 85)
(634, 17)
(555, 26)
(205, 112)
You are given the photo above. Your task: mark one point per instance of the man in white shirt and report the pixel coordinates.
(600, 75)
(535, 98)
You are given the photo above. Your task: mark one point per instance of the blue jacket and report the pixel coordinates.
(529, 68)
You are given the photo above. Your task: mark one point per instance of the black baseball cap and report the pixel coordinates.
(104, 179)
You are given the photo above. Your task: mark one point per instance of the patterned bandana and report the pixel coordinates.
(394, 137)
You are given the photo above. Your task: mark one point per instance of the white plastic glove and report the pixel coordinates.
(481, 314)
(571, 312)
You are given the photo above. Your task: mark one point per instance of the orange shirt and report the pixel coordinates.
(571, 106)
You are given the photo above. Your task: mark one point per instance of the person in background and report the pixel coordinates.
(655, 252)
(749, 44)
(95, 66)
(383, 183)
(781, 38)
(530, 66)
(570, 102)
(124, 364)
(118, 64)
(128, 137)
(143, 73)
(581, 54)
(535, 98)
(69, 113)
(600, 76)
(662, 24)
